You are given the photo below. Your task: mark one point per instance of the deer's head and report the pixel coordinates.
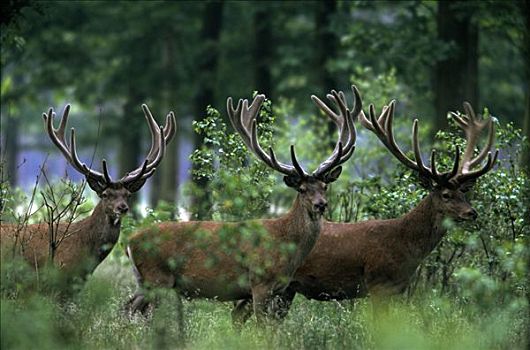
(448, 188)
(312, 187)
(114, 194)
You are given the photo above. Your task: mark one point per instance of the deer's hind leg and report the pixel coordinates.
(241, 312)
(149, 278)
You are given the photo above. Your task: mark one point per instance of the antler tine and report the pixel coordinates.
(388, 133)
(456, 164)
(170, 127)
(153, 129)
(417, 153)
(106, 171)
(297, 165)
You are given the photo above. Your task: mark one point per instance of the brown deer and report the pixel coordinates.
(379, 257)
(172, 255)
(84, 244)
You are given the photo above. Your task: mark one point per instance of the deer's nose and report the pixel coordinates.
(123, 208)
(321, 206)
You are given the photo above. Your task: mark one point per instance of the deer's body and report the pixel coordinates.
(87, 242)
(351, 260)
(79, 247)
(228, 278)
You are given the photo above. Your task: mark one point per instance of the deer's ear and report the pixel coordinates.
(135, 185)
(425, 182)
(96, 185)
(292, 181)
(468, 185)
(333, 175)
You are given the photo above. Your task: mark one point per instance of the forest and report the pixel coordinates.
(206, 200)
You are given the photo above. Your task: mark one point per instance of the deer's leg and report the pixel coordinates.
(145, 298)
(262, 299)
(241, 312)
(282, 303)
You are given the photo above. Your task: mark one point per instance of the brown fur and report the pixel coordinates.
(86, 244)
(171, 255)
(351, 260)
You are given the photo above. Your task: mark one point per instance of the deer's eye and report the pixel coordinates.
(302, 189)
(325, 187)
(446, 195)
(104, 195)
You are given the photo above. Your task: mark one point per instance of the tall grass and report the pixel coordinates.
(93, 319)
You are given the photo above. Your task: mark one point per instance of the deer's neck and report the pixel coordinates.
(104, 232)
(302, 227)
(422, 228)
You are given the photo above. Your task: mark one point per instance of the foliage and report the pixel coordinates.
(240, 188)
(471, 292)
(93, 319)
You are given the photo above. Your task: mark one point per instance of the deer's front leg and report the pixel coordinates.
(241, 312)
(262, 297)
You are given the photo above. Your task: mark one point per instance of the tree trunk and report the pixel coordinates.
(525, 10)
(263, 48)
(12, 149)
(165, 182)
(207, 70)
(170, 168)
(327, 43)
(130, 137)
(326, 48)
(456, 75)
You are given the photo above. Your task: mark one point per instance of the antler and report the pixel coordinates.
(243, 119)
(344, 120)
(472, 127)
(99, 181)
(382, 127)
(70, 153)
(158, 143)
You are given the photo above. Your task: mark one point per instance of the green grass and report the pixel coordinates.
(93, 320)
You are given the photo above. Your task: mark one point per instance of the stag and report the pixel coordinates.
(87, 242)
(379, 257)
(170, 255)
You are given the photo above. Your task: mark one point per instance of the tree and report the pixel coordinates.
(456, 75)
(206, 74)
(525, 11)
(263, 48)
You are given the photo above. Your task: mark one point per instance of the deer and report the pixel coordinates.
(169, 255)
(86, 243)
(379, 257)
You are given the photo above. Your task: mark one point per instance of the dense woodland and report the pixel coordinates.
(107, 58)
